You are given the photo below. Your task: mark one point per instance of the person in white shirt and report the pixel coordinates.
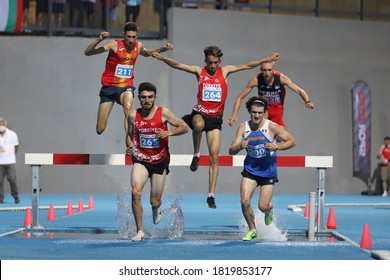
(9, 145)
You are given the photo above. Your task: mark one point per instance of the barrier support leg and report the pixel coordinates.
(312, 209)
(35, 196)
(321, 199)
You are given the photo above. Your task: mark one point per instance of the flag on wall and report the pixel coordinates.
(11, 15)
(361, 122)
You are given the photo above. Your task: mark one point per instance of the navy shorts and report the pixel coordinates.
(261, 181)
(112, 94)
(154, 168)
(210, 122)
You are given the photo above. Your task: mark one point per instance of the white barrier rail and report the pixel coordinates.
(36, 160)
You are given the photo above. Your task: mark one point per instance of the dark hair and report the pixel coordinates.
(257, 101)
(146, 86)
(130, 26)
(387, 138)
(213, 50)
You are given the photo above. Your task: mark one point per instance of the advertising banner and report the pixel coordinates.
(361, 123)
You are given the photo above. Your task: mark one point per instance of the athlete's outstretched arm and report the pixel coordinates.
(178, 65)
(148, 52)
(249, 65)
(291, 85)
(248, 88)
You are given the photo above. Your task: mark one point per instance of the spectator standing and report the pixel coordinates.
(9, 145)
(112, 4)
(26, 7)
(161, 7)
(384, 157)
(41, 10)
(132, 9)
(58, 10)
(89, 8)
(76, 8)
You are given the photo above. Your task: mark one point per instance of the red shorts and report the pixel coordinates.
(276, 117)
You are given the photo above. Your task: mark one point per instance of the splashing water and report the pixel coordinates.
(171, 225)
(176, 220)
(125, 222)
(269, 233)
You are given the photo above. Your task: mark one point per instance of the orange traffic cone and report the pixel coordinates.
(81, 206)
(91, 204)
(28, 219)
(306, 212)
(69, 211)
(331, 220)
(332, 239)
(51, 216)
(366, 238)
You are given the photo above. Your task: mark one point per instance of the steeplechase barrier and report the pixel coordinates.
(36, 160)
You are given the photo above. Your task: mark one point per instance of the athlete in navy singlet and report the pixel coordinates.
(271, 85)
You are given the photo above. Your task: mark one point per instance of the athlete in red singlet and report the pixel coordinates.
(117, 78)
(147, 147)
(207, 114)
(384, 157)
(271, 85)
(212, 93)
(148, 133)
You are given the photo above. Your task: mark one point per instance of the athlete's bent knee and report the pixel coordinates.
(245, 202)
(264, 208)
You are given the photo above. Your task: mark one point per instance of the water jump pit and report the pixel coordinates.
(231, 234)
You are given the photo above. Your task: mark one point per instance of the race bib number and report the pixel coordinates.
(149, 141)
(257, 151)
(212, 94)
(273, 99)
(123, 71)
